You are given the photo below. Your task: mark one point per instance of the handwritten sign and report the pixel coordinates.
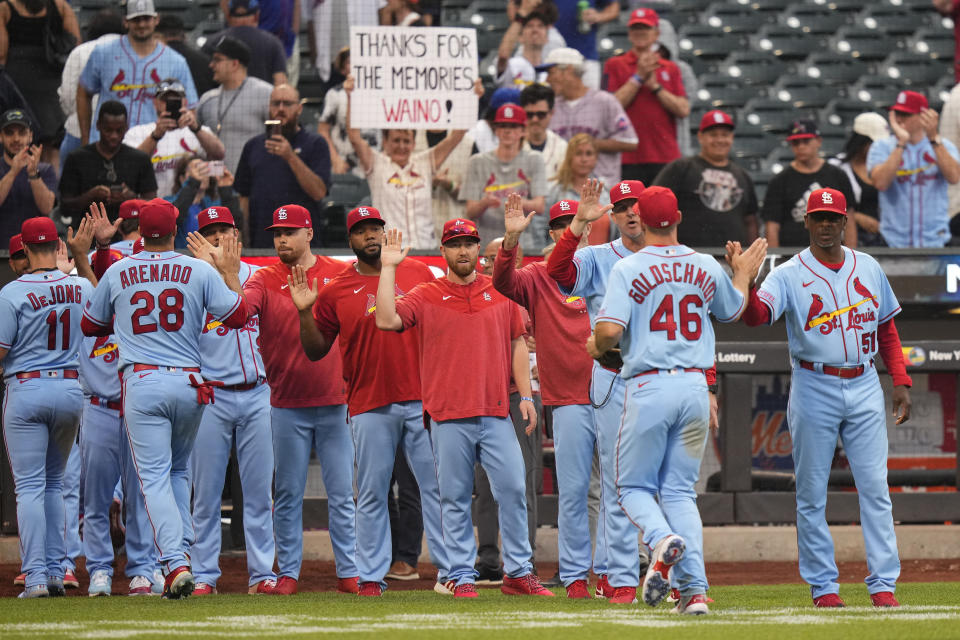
(413, 77)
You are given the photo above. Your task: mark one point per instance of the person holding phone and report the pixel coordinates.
(176, 134)
(27, 186)
(199, 185)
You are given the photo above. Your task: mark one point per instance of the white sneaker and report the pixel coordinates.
(141, 586)
(445, 588)
(695, 605)
(101, 584)
(656, 584)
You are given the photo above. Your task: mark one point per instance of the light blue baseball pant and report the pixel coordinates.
(376, 436)
(40, 420)
(105, 451)
(244, 415)
(72, 477)
(574, 443)
(162, 415)
(458, 445)
(295, 433)
(662, 436)
(619, 534)
(820, 409)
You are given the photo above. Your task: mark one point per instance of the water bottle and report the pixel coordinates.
(582, 25)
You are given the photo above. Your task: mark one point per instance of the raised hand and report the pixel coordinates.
(304, 294)
(227, 259)
(930, 120)
(749, 261)
(733, 250)
(201, 248)
(514, 220)
(103, 229)
(80, 241)
(896, 129)
(392, 254)
(590, 208)
(64, 263)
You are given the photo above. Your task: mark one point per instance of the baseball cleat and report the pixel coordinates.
(604, 590)
(70, 579)
(286, 586)
(695, 605)
(178, 583)
(370, 590)
(264, 587)
(578, 590)
(445, 588)
(140, 586)
(884, 599)
(623, 595)
(55, 587)
(674, 595)
(656, 584)
(204, 589)
(36, 591)
(828, 601)
(101, 584)
(528, 585)
(465, 590)
(348, 585)
(20, 580)
(400, 570)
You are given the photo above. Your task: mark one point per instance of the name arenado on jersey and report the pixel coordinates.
(154, 273)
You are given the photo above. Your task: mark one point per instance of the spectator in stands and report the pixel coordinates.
(715, 194)
(401, 182)
(128, 69)
(950, 129)
(267, 59)
(24, 29)
(580, 109)
(529, 27)
(577, 167)
(482, 133)
(171, 30)
(951, 9)
(237, 109)
(107, 170)
(282, 19)
(448, 178)
(669, 49)
(290, 167)
(333, 125)
(326, 35)
(494, 175)
(785, 205)
(171, 139)
(105, 26)
(651, 91)
(579, 30)
(27, 185)
(404, 13)
(865, 205)
(911, 169)
(195, 190)
(538, 100)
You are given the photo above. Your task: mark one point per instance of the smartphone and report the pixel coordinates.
(273, 128)
(215, 168)
(174, 105)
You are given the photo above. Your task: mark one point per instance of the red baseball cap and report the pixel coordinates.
(648, 17)
(910, 102)
(363, 214)
(214, 215)
(510, 113)
(131, 208)
(291, 216)
(38, 230)
(137, 246)
(715, 118)
(657, 207)
(624, 190)
(564, 208)
(827, 200)
(16, 244)
(459, 228)
(158, 218)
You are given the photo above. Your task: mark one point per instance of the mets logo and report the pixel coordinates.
(915, 356)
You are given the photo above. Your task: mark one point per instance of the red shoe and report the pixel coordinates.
(465, 590)
(695, 605)
(656, 584)
(370, 589)
(528, 585)
(204, 590)
(884, 599)
(348, 585)
(70, 579)
(286, 586)
(623, 595)
(828, 601)
(262, 588)
(178, 583)
(577, 590)
(604, 590)
(674, 595)
(20, 580)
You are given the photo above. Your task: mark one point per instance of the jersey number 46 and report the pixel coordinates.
(688, 312)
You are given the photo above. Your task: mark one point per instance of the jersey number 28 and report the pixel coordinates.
(170, 303)
(688, 312)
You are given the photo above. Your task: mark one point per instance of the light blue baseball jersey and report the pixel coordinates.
(832, 316)
(914, 211)
(662, 297)
(116, 72)
(594, 264)
(232, 355)
(40, 317)
(98, 360)
(120, 249)
(159, 304)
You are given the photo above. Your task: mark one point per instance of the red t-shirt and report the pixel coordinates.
(380, 367)
(658, 144)
(465, 346)
(294, 380)
(561, 327)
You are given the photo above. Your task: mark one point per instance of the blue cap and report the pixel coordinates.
(502, 96)
(244, 7)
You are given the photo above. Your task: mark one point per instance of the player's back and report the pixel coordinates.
(40, 316)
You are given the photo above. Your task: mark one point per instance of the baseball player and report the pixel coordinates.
(129, 227)
(241, 414)
(307, 405)
(560, 326)
(156, 304)
(656, 307)
(839, 310)
(468, 321)
(18, 258)
(385, 409)
(39, 326)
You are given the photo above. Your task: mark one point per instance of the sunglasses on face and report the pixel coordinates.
(537, 114)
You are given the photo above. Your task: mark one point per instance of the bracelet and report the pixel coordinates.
(901, 146)
(712, 388)
(528, 399)
(195, 131)
(636, 78)
(657, 90)
(33, 176)
(933, 142)
(155, 138)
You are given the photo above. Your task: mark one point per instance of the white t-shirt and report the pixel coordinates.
(174, 146)
(403, 195)
(519, 73)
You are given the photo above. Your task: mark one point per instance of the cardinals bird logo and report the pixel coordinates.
(862, 290)
(816, 307)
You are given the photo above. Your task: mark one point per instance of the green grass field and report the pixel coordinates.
(931, 610)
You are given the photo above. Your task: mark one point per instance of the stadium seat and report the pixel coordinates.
(914, 69)
(707, 42)
(753, 67)
(311, 85)
(878, 91)
(312, 108)
(942, 89)
(892, 20)
(612, 40)
(771, 114)
(750, 143)
(936, 43)
(716, 91)
(833, 68)
(864, 44)
(803, 92)
(346, 192)
(787, 43)
(778, 159)
(842, 111)
(765, 5)
(732, 18)
(844, 6)
(813, 19)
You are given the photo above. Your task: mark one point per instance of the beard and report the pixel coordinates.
(363, 256)
(463, 270)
